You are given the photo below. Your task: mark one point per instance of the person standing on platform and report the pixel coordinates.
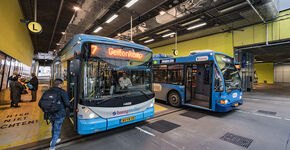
(53, 103)
(34, 83)
(12, 79)
(16, 89)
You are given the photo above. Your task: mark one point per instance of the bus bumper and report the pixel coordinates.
(89, 126)
(228, 107)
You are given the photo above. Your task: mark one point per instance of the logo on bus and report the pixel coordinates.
(202, 58)
(123, 112)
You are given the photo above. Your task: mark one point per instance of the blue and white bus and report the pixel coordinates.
(205, 79)
(109, 82)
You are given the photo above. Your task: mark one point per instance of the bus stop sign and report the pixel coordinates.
(34, 27)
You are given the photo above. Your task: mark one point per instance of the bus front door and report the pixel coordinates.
(73, 88)
(198, 85)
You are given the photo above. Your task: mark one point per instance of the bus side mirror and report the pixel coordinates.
(74, 66)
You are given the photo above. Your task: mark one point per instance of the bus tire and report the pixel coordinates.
(174, 99)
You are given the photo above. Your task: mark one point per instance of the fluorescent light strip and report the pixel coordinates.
(196, 26)
(190, 22)
(144, 38)
(112, 18)
(150, 40)
(158, 33)
(132, 2)
(233, 7)
(98, 29)
(169, 34)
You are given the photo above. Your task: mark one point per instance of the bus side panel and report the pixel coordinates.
(161, 90)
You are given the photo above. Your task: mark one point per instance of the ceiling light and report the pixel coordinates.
(196, 26)
(119, 34)
(169, 34)
(63, 33)
(150, 40)
(98, 29)
(112, 18)
(144, 38)
(76, 8)
(57, 43)
(158, 33)
(162, 12)
(233, 7)
(132, 2)
(190, 22)
(259, 61)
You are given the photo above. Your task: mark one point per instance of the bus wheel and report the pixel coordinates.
(174, 99)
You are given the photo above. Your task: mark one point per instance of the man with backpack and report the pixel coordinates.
(53, 103)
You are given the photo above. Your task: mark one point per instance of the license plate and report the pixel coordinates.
(236, 104)
(127, 119)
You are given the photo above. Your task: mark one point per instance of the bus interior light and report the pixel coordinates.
(129, 4)
(241, 97)
(112, 18)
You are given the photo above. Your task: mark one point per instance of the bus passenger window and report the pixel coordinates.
(175, 74)
(160, 73)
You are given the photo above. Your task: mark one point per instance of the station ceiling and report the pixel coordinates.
(59, 16)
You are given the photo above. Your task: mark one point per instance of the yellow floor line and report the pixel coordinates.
(158, 108)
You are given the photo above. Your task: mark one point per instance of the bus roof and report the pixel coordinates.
(98, 39)
(199, 56)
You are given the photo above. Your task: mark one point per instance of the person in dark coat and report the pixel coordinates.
(34, 83)
(16, 89)
(11, 79)
(57, 118)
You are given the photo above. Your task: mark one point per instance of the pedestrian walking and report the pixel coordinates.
(34, 83)
(53, 103)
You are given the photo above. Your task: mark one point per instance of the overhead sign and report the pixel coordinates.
(34, 27)
(125, 54)
(175, 52)
(168, 61)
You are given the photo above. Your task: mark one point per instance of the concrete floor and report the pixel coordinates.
(268, 131)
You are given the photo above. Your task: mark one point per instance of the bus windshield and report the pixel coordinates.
(117, 71)
(229, 72)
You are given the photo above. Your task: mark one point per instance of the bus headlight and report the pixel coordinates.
(86, 113)
(92, 115)
(224, 101)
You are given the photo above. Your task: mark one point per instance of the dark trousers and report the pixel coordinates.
(33, 94)
(14, 102)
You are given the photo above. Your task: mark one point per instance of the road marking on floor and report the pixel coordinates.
(158, 108)
(258, 114)
(147, 132)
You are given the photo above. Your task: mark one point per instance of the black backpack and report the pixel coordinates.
(51, 101)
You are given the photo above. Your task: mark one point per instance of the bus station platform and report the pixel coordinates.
(24, 127)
